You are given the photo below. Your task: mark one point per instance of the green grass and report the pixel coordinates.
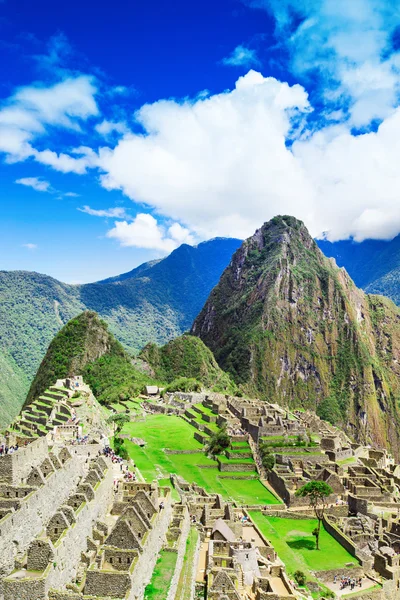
(205, 410)
(240, 449)
(183, 591)
(162, 575)
(295, 544)
(161, 431)
(235, 461)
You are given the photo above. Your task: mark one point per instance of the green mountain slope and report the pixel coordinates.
(13, 386)
(186, 356)
(293, 328)
(84, 346)
(153, 303)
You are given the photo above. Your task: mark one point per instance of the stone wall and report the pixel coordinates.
(16, 467)
(147, 560)
(18, 529)
(340, 537)
(238, 467)
(67, 551)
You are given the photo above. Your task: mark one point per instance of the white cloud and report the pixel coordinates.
(345, 47)
(118, 213)
(71, 194)
(105, 128)
(241, 56)
(356, 180)
(145, 232)
(34, 110)
(40, 185)
(30, 246)
(218, 164)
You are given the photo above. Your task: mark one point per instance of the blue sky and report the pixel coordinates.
(127, 128)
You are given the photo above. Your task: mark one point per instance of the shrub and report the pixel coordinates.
(183, 384)
(119, 448)
(300, 578)
(218, 442)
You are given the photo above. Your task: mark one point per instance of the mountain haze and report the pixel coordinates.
(292, 327)
(153, 303)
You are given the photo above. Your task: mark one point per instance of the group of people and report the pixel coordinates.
(350, 582)
(116, 459)
(81, 440)
(4, 449)
(109, 453)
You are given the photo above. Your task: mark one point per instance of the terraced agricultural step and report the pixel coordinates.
(63, 418)
(190, 415)
(64, 410)
(58, 390)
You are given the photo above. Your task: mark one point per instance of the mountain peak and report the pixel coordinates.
(292, 328)
(81, 341)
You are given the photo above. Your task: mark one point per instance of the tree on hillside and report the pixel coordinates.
(317, 493)
(267, 457)
(218, 442)
(118, 420)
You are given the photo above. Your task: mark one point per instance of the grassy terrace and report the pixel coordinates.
(295, 544)
(235, 461)
(205, 410)
(162, 575)
(161, 432)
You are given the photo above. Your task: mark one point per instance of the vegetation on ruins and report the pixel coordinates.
(219, 442)
(267, 457)
(118, 421)
(300, 577)
(292, 316)
(317, 492)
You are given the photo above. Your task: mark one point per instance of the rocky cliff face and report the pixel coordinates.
(292, 327)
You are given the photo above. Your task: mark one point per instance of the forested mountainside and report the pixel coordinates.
(84, 346)
(153, 303)
(293, 328)
(374, 265)
(186, 356)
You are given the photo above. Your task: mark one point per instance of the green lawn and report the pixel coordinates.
(162, 575)
(160, 432)
(295, 544)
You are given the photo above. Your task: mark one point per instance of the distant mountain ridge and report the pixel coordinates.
(291, 327)
(158, 302)
(374, 265)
